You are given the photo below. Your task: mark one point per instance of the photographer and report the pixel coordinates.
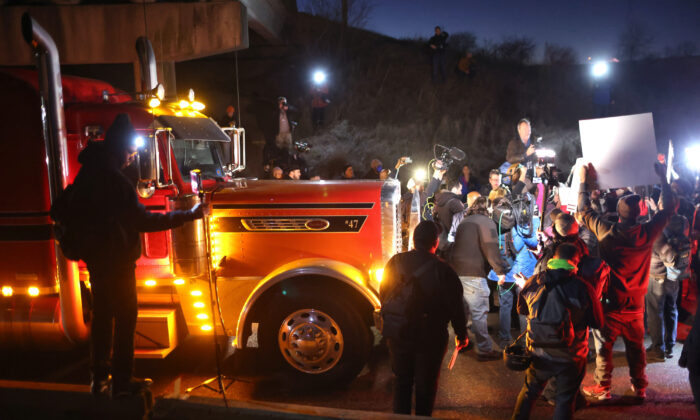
(516, 245)
(448, 202)
(521, 149)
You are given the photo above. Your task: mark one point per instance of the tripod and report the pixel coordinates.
(214, 302)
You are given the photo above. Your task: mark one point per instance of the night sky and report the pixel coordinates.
(592, 27)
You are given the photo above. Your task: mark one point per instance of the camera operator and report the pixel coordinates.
(448, 202)
(279, 136)
(494, 182)
(521, 149)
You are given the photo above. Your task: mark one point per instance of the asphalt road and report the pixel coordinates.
(473, 389)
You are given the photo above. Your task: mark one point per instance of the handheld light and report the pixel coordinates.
(319, 77)
(419, 174)
(600, 69)
(692, 157)
(139, 142)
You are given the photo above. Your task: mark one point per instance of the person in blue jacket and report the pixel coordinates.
(516, 246)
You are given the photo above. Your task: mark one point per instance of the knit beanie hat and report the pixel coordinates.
(565, 225)
(120, 135)
(628, 207)
(425, 235)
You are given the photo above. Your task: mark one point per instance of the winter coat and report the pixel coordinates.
(476, 243)
(626, 247)
(524, 260)
(113, 216)
(517, 151)
(577, 296)
(441, 290)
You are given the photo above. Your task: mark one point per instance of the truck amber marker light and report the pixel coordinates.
(33, 291)
(178, 282)
(150, 282)
(202, 316)
(7, 291)
(206, 327)
(199, 304)
(196, 293)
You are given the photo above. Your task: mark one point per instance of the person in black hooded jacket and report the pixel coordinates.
(112, 219)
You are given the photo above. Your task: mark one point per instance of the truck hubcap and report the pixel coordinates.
(311, 341)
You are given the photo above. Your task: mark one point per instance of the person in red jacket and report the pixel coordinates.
(626, 246)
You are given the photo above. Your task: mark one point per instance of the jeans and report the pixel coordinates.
(476, 294)
(568, 380)
(631, 327)
(662, 313)
(507, 296)
(114, 317)
(419, 365)
(439, 66)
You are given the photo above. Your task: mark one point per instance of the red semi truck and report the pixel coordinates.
(303, 259)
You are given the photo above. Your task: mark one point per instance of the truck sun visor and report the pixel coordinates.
(187, 128)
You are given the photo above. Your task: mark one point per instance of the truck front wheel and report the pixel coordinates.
(318, 341)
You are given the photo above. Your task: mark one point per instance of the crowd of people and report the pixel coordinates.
(613, 268)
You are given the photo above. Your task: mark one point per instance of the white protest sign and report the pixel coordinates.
(621, 149)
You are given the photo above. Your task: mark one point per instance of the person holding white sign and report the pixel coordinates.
(626, 246)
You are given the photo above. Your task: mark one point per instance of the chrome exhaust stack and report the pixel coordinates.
(71, 319)
(147, 60)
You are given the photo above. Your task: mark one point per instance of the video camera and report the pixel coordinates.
(302, 146)
(447, 156)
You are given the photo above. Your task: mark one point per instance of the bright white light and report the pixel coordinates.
(139, 142)
(600, 69)
(319, 77)
(419, 175)
(692, 157)
(545, 153)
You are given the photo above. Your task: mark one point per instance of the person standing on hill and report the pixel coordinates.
(438, 45)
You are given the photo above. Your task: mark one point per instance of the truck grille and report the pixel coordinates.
(284, 224)
(391, 225)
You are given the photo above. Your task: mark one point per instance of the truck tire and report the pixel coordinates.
(316, 340)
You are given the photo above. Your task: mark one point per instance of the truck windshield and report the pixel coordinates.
(198, 154)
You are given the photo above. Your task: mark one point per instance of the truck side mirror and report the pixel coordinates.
(235, 151)
(147, 165)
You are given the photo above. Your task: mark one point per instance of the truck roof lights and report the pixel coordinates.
(190, 95)
(154, 102)
(198, 106)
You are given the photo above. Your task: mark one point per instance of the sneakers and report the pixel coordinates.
(599, 392)
(490, 355)
(669, 354)
(639, 393)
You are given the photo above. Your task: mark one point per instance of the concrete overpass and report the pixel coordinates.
(107, 33)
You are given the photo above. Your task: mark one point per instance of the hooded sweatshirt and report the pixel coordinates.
(113, 216)
(626, 246)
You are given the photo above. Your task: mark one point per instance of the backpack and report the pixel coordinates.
(68, 225)
(403, 311)
(681, 251)
(550, 325)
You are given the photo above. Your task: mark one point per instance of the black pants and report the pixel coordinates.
(694, 378)
(113, 322)
(419, 365)
(318, 117)
(568, 377)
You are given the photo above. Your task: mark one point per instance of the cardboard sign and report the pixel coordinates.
(621, 149)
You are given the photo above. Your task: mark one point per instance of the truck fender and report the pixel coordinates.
(341, 271)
